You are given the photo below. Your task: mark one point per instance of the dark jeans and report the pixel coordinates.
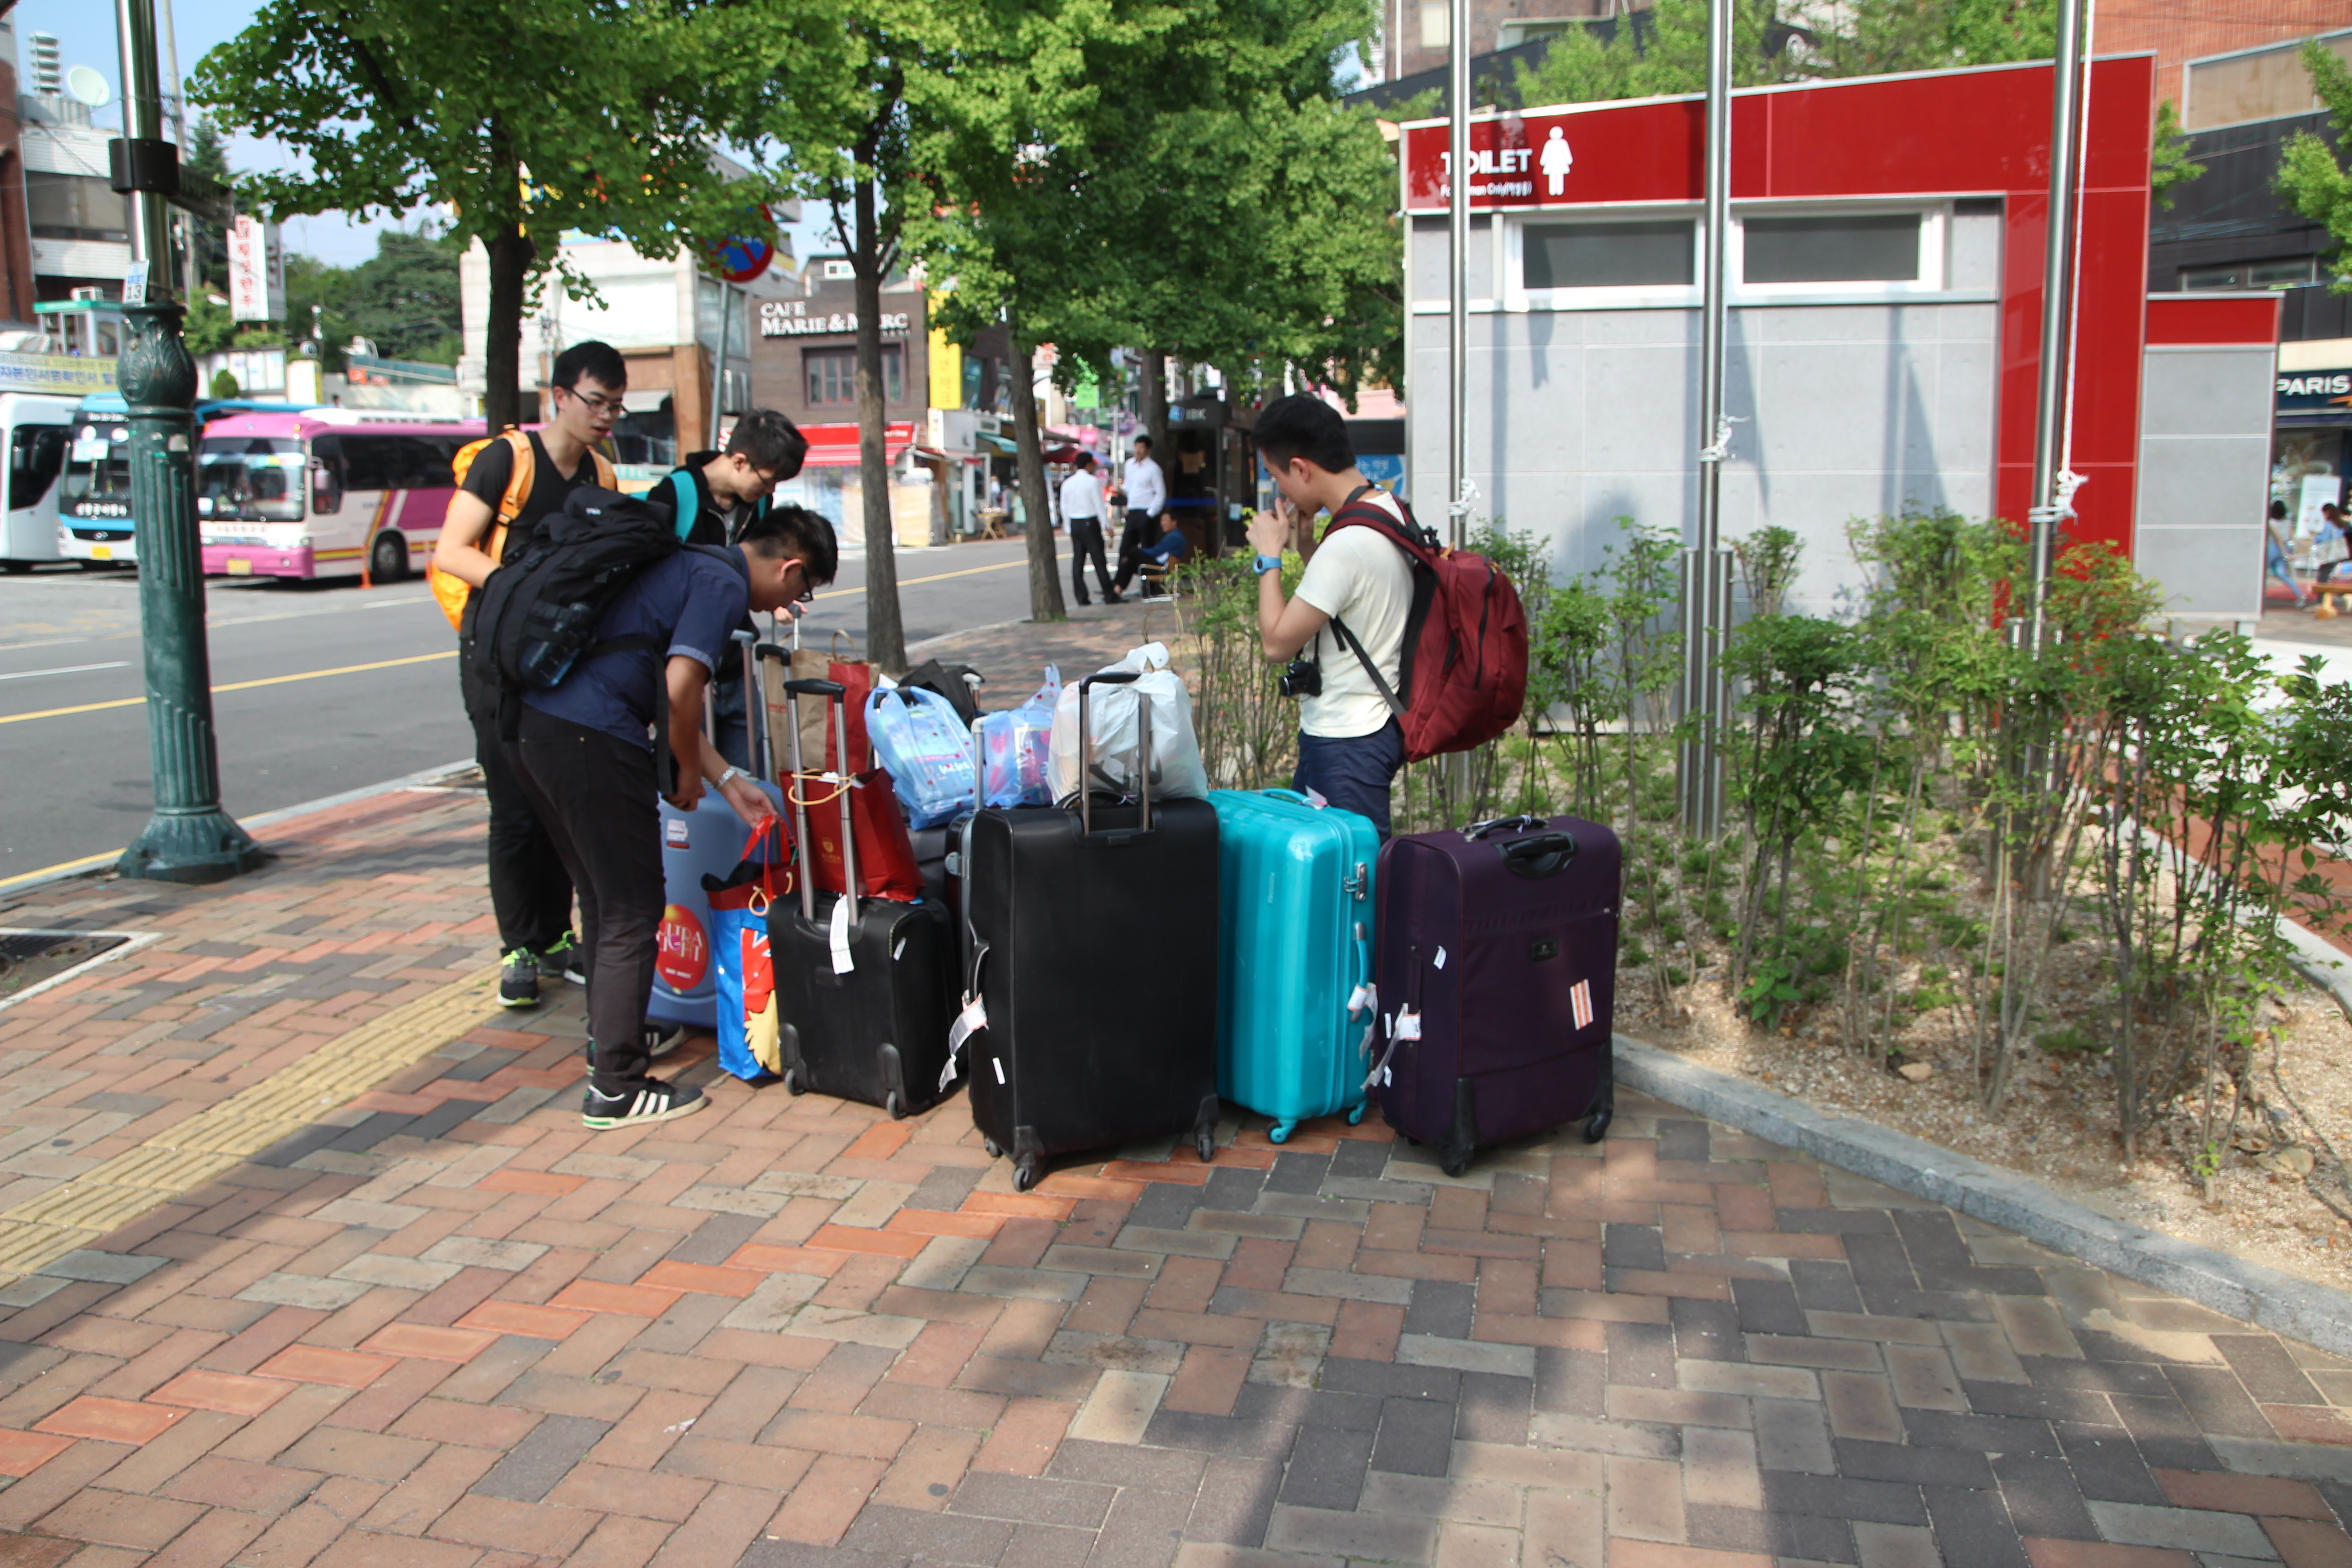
(1141, 528)
(531, 891)
(1087, 541)
(1352, 772)
(731, 723)
(598, 795)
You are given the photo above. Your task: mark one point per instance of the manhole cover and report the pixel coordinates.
(28, 958)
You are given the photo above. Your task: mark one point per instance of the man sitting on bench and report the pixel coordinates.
(1156, 561)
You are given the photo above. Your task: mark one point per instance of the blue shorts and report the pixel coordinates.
(1353, 772)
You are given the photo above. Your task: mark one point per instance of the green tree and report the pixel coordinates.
(2169, 165)
(526, 118)
(404, 299)
(2311, 176)
(207, 154)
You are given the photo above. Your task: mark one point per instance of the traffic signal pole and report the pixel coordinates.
(189, 839)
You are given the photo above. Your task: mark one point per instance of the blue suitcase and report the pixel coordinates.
(1295, 932)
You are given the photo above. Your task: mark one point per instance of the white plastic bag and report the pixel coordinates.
(1114, 732)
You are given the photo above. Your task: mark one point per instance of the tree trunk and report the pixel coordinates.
(1044, 575)
(886, 632)
(1154, 376)
(502, 399)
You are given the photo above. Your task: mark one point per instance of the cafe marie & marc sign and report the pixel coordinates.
(793, 319)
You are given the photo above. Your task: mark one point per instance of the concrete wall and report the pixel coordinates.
(2205, 447)
(1578, 416)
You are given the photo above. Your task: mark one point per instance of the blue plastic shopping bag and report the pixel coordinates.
(921, 742)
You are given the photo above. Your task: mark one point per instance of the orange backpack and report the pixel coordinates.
(451, 592)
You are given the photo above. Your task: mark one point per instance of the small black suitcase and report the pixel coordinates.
(1090, 1014)
(876, 1029)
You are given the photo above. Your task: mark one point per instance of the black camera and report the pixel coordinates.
(1303, 678)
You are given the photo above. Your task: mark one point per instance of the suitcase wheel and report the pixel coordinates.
(1356, 1112)
(792, 1081)
(1453, 1162)
(1204, 1144)
(1024, 1175)
(995, 1151)
(1596, 1126)
(895, 1106)
(1279, 1133)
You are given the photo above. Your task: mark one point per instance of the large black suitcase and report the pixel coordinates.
(876, 1030)
(1091, 985)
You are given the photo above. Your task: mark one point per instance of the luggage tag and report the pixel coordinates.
(1315, 797)
(1361, 997)
(1405, 1026)
(838, 937)
(968, 1023)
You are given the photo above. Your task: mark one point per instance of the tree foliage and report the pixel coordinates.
(525, 118)
(2311, 177)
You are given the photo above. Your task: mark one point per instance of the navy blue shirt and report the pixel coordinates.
(1173, 547)
(693, 599)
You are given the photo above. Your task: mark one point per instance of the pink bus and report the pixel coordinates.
(326, 492)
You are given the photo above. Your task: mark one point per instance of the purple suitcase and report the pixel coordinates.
(1498, 966)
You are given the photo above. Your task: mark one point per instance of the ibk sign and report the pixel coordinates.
(1635, 153)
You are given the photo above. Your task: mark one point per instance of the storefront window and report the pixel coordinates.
(832, 375)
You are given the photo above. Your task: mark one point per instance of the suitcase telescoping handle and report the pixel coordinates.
(1085, 747)
(753, 713)
(1544, 855)
(793, 691)
(1479, 830)
(833, 693)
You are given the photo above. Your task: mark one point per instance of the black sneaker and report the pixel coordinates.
(660, 1040)
(519, 979)
(564, 959)
(648, 1103)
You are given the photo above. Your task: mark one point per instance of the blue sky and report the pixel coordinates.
(85, 34)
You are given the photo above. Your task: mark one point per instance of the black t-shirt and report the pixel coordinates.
(493, 467)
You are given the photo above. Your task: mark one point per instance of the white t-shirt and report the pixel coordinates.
(1081, 496)
(1147, 488)
(1357, 576)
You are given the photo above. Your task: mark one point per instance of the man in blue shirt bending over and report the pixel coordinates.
(585, 750)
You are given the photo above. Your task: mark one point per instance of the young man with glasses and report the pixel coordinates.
(713, 497)
(531, 893)
(585, 750)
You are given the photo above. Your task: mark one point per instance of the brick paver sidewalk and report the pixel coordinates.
(446, 1328)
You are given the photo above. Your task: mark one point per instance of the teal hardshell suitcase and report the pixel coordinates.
(1296, 964)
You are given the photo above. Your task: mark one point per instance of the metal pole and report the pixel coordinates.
(189, 839)
(2049, 503)
(1705, 622)
(719, 375)
(1457, 252)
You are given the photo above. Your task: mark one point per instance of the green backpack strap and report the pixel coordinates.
(688, 504)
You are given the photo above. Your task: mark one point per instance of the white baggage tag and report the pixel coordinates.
(1359, 998)
(1440, 960)
(968, 1023)
(1314, 798)
(839, 935)
(998, 1062)
(1408, 1024)
(899, 952)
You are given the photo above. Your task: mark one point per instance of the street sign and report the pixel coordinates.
(256, 273)
(739, 258)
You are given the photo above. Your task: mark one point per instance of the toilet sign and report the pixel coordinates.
(1562, 157)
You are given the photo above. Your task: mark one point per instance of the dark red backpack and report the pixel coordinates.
(1463, 676)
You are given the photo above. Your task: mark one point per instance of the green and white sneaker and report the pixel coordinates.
(519, 979)
(564, 959)
(645, 1103)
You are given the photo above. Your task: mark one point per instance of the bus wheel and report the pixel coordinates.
(16, 568)
(388, 561)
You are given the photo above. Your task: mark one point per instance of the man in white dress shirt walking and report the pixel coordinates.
(1082, 514)
(1147, 498)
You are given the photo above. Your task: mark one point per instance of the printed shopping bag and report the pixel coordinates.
(748, 1046)
(927, 751)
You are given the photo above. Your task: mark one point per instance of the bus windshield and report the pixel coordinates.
(249, 478)
(97, 469)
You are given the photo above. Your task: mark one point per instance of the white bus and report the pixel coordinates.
(37, 430)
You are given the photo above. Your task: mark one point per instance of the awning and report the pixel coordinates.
(836, 446)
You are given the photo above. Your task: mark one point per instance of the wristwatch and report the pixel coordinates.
(731, 775)
(1266, 563)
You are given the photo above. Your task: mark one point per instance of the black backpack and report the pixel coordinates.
(949, 680)
(536, 617)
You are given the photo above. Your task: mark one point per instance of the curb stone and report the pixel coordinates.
(2252, 1292)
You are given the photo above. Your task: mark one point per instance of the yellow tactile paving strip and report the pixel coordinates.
(41, 1230)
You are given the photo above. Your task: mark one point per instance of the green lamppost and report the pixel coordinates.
(189, 839)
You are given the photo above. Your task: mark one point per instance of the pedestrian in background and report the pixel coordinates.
(1082, 514)
(2274, 551)
(585, 749)
(531, 893)
(1147, 498)
(713, 497)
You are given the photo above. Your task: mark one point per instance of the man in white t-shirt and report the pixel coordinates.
(1147, 498)
(1350, 744)
(1082, 511)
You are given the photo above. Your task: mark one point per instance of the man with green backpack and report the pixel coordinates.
(712, 498)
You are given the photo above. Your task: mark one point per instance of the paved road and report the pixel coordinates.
(318, 688)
